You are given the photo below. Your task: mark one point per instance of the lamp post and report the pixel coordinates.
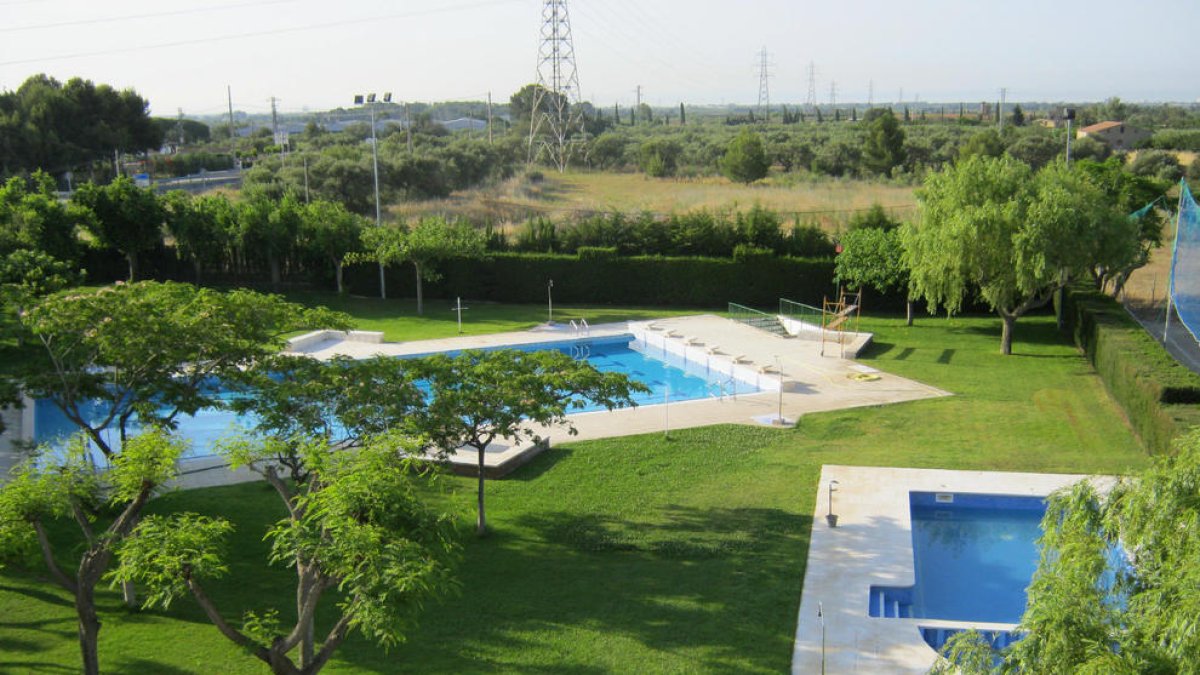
(1068, 115)
(830, 517)
(370, 103)
(550, 301)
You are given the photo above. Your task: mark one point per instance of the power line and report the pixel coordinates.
(261, 33)
(149, 15)
(556, 100)
(811, 99)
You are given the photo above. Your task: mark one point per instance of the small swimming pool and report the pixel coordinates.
(670, 378)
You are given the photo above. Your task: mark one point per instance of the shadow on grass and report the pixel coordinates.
(127, 665)
(540, 465)
(693, 586)
(40, 594)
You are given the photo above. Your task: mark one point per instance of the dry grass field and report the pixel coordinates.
(829, 202)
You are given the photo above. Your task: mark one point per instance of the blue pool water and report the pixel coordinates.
(662, 373)
(974, 556)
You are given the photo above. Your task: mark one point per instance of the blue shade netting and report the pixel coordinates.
(1185, 263)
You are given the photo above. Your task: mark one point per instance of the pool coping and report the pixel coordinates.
(872, 545)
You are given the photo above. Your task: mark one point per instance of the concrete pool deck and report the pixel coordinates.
(872, 545)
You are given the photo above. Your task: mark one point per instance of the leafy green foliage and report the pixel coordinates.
(149, 349)
(659, 157)
(123, 216)
(872, 257)
(164, 552)
(430, 240)
(745, 159)
(883, 148)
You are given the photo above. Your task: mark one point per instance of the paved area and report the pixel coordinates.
(872, 545)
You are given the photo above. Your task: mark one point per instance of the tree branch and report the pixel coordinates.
(306, 613)
(332, 641)
(81, 518)
(48, 556)
(234, 635)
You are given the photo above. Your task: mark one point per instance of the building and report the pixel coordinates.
(1117, 135)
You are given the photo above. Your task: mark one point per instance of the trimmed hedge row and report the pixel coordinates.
(599, 279)
(1158, 394)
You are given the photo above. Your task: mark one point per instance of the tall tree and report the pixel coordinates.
(430, 240)
(123, 216)
(883, 148)
(873, 257)
(201, 227)
(481, 397)
(33, 218)
(359, 528)
(332, 231)
(988, 223)
(745, 159)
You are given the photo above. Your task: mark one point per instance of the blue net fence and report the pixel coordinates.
(1185, 263)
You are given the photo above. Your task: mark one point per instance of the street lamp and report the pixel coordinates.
(1068, 115)
(550, 301)
(370, 103)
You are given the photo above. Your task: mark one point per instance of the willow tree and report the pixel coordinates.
(989, 225)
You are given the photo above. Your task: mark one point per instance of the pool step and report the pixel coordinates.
(890, 603)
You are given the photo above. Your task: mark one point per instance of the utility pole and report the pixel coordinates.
(764, 93)
(229, 94)
(274, 120)
(1003, 93)
(870, 94)
(833, 92)
(408, 129)
(489, 118)
(179, 125)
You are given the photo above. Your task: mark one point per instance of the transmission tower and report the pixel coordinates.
(764, 93)
(833, 92)
(556, 125)
(811, 99)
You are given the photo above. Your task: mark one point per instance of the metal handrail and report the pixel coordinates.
(809, 316)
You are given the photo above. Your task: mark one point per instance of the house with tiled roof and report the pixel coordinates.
(1117, 135)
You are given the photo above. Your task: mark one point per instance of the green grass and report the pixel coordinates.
(399, 321)
(645, 554)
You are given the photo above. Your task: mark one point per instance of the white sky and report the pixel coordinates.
(317, 55)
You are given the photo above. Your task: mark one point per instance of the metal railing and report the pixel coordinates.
(756, 318)
(808, 316)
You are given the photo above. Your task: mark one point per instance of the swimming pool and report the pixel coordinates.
(670, 378)
(973, 554)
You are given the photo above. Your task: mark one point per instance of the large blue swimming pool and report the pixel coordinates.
(665, 375)
(974, 555)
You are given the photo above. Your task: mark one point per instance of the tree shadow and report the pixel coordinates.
(904, 354)
(540, 465)
(47, 596)
(695, 583)
(946, 355)
(135, 665)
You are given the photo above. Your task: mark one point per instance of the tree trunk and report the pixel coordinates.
(908, 313)
(197, 268)
(131, 257)
(273, 261)
(420, 299)
(89, 628)
(481, 519)
(337, 268)
(1059, 309)
(309, 636)
(1006, 333)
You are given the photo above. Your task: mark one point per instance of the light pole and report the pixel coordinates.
(550, 301)
(370, 103)
(1068, 115)
(830, 517)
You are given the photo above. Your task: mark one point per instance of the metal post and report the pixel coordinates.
(667, 412)
(829, 517)
(378, 210)
(821, 618)
(780, 369)
(550, 301)
(1174, 254)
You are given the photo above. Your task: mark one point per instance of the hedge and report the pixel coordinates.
(1158, 394)
(638, 280)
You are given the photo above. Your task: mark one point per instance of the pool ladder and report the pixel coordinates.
(581, 328)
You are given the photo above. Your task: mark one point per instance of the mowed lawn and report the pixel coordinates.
(642, 554)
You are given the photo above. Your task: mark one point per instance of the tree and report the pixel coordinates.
(430, 240)
(201, 227)
(151, 349)
(1133, 195)
(986, 143)
(124, 216)
(479, 397)
(49, 487)
(745, 159)
(659, 157)
(332, 231)
(32, 217)
(1036, 150)
(1117, 588)
(358, 525)
(342, 401)
(1018, 116)
(28, 275)
(873, 257)
(988, 223)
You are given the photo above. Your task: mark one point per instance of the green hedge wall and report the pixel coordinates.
(639, 280)
(1158, 394)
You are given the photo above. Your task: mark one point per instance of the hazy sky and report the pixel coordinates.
(317, 55)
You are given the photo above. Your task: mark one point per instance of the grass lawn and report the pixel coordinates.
(643, 554)
(399, 321)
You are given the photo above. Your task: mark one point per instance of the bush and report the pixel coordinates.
(596, 252)
(751, 253)
(1159, 395)
(1157, 164)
